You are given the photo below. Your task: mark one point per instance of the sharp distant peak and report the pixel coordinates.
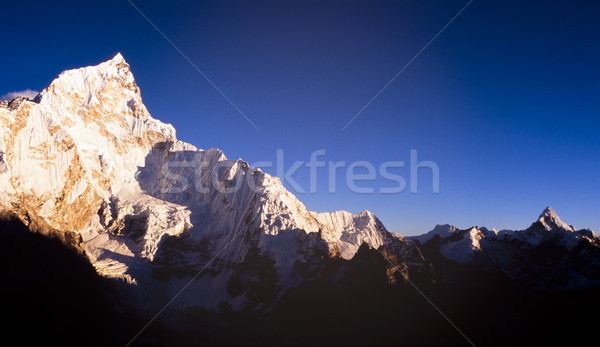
(548, 213)
(549, 218)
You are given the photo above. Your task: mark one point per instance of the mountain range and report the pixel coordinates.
(157, 222)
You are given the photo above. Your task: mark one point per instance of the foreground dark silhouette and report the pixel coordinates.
(52, 294)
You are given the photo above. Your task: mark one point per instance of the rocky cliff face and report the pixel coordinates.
(87, 162)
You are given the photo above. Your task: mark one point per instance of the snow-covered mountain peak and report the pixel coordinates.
(115, 67)
(86, 159)
(548, 213)
(550, 220)
(110, 87)
(102, 100)
(118, 59)
(75, 146)
(462, 245)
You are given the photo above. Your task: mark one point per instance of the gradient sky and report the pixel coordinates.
(506, 100)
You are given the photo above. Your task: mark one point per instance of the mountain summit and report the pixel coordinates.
(550, 220)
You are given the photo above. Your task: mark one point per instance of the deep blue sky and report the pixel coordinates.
(506, 101)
